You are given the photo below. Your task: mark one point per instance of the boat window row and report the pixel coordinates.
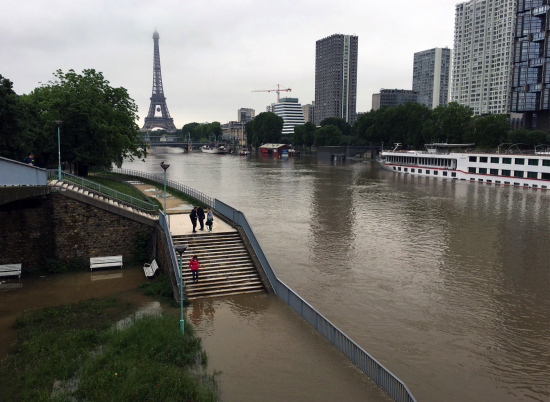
(510, 173)
(510, 161)
(509, 183)
(413, 160)
(425, 171)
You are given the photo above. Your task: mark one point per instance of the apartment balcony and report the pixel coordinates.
(540, 10)
(538, 36)
(537, 62)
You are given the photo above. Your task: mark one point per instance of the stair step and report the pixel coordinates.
(203, 284)
(226, 276)
(218, 290)
(225, 294)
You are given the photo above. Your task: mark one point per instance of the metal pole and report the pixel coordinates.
(182, 323)
(164, 191)
(59, 151)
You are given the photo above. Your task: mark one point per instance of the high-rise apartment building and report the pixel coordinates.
(309, 112)
(482, 55)
(291, 112)
(530, 93)
(244, 115)
(336, 77)
(431, 75)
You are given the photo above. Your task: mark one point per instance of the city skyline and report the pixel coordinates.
(211, 63)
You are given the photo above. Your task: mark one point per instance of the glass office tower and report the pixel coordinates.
(531, 78)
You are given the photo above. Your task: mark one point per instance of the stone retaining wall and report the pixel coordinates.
(62, 227)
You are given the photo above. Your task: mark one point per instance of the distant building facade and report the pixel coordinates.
(482, 55)
(291, 112)
(234, 129)
(530, 88)
(431, 75)
(309, 112)
(394, 97)
(336, 77)
(245, 115)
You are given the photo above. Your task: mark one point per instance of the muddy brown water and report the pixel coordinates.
(446, 283)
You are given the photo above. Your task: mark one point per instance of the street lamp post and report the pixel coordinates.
(181, 249)
(58, 122)
(164, 166)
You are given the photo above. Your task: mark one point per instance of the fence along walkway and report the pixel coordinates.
(368, 364)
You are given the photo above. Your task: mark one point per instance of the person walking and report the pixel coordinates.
(193, 216)
(194, 266)
(209, 218)
(200, 215)
(29, 160)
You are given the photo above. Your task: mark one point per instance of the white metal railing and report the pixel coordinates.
(197, 195)
(163, 222)
(97, 188)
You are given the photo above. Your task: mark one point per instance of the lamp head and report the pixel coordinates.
(181, 248)
(164, 165)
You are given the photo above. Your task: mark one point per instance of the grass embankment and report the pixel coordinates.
(170, 190)
(74, 352)
(124, 188)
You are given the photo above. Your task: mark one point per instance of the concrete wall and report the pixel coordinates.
(60, 227)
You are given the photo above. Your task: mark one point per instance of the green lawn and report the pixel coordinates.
(78, 348)
(176, 193)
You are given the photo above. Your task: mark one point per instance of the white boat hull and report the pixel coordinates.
(213, 150)
(503, 169)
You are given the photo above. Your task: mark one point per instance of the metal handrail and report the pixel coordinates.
(209, 201)
(368, 364)
(97, 188)
(166, 227)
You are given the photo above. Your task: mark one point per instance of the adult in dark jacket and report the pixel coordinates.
(193, 216)
(200, 215)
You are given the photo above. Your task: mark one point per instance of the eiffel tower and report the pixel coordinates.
(158, 101)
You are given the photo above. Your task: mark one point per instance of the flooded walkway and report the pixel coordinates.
(263, 348)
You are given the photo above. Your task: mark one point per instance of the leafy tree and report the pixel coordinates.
(328, 136)
(99, 122)
(249, 130)
(342, 124)
(530, 138)
(488, 131)
(452, 122)
(308, 137)
(18, 134)
(267, 128)
(190, 128)
(299, 135)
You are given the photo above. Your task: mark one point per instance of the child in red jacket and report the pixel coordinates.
(194, 266)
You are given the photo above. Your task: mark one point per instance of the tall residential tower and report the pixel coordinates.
(482, 56)
(336, 77)
(431, 75)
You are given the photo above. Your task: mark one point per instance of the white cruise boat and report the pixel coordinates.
(441, 160)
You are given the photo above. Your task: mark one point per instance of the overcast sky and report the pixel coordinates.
(214, 53)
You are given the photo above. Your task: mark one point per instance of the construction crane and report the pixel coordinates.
(278, 90)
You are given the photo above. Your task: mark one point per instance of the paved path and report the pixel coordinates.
(179, 211)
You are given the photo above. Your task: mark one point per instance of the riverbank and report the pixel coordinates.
(97, 349)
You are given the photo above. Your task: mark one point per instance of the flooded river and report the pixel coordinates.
(446, 283)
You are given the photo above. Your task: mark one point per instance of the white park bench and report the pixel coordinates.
(150, 269)
(104, 262)
(10, 269)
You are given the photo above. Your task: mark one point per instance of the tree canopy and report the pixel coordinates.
(414, 125)
(266, 127)
(344, 127)
(202, 131)
(328, 136)
(98, 121)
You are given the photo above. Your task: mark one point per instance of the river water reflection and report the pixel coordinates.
(446, 283)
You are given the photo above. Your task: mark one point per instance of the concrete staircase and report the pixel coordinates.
(69, 186)
(226, 267)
